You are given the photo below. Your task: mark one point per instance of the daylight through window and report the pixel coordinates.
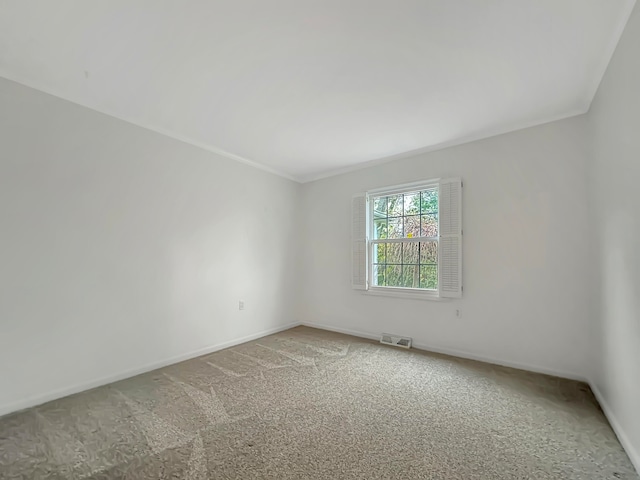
(404, 239)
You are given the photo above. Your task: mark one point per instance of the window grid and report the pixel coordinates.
(414, 262)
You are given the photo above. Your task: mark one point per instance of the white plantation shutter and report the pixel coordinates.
(450, 242)
(359, 242)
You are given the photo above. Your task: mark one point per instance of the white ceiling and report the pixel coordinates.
(310, 87)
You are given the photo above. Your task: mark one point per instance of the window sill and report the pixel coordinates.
(405, 293)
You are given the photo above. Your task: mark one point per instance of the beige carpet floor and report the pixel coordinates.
(312, 404)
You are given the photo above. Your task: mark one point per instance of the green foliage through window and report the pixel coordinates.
(410, 220)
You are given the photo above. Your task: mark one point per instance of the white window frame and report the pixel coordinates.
(402, 292)
(450, 236)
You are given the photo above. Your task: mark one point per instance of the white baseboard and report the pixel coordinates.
(81, 387)
(631, 451)
(504, 363)
(346, 331)
(459, 353)
(633, 454)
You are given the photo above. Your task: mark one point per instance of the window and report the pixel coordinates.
(404, 239)
(407, 240)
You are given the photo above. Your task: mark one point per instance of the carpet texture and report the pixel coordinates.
(307, 404)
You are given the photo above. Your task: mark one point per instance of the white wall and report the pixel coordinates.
(614, 130)
(525, 253)
(121, 248)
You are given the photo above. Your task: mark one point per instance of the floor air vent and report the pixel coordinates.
(387, 339)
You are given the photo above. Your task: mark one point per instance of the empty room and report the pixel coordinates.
(319, 239)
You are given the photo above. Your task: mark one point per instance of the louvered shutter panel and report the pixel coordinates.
(359, 242)
(450, 242)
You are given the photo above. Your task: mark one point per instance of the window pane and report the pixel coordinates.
(428, 253)
(410, 253)
(402, 218)
(393, 276)
(429, 201)
(412, 203)
(430, 225)
(379, 207)
(395, 228)
(410, 276)
(429, 276)
(412, 226)
(394, 253)
(380, 229)
(396, 204)
(378, 275)
(379, 253)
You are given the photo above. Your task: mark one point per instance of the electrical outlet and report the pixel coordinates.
(241, 305)
(458, 313)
